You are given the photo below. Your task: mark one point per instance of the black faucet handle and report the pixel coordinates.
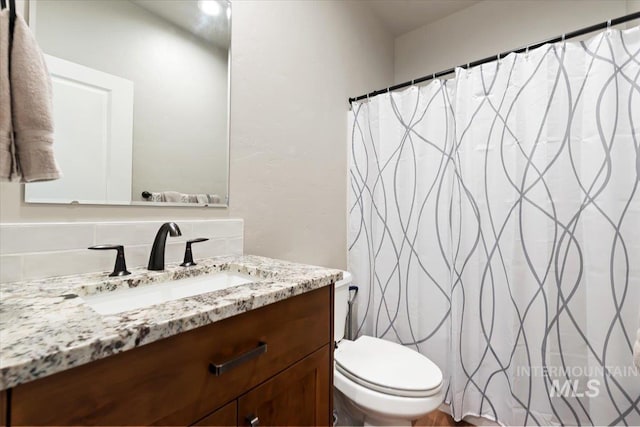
(198, 240)
(188, 253)
(120, 267)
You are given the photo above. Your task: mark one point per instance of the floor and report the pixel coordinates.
(439, 418)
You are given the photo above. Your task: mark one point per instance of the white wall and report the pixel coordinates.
(294, 64)
(493, 26)
(180, 88)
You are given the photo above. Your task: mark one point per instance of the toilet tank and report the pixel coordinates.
(341, 306)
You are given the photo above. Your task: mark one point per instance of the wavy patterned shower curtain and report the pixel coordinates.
(494, 226)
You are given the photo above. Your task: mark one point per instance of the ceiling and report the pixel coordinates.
(401, 16)
(187, 15)
(398, 16)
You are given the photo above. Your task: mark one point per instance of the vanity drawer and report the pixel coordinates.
(169, 381)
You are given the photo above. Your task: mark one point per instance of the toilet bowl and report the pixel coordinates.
(383, 382)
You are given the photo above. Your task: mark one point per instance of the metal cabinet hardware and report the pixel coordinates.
(253, 420)
(219, 369)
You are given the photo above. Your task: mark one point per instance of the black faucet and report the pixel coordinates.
(156, 260)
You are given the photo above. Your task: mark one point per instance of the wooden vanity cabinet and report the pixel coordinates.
(225, 416)
(294, 397)
(3, 408)
(174, 382)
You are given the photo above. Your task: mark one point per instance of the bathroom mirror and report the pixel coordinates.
(140, 98)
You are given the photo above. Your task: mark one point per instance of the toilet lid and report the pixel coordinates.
(388, 367)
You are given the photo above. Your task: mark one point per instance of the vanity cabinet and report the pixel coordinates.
(273, 363)
(3, 408)
(225, 416)
(294, 397)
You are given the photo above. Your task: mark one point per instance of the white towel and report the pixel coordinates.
(176, 197)
(31, 108)
(172, 197)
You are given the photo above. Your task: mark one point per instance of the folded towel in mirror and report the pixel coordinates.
(172, 197)
(176, 197)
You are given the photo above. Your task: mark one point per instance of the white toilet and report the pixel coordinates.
(387, 383)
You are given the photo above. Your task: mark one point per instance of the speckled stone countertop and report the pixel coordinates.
(46, 327)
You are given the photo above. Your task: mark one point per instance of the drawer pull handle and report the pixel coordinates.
(219, 369)
(253, 420)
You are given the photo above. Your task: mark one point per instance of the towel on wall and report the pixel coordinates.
(26, 141)
(8, 166)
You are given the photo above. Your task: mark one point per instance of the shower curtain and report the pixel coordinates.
(494, 226)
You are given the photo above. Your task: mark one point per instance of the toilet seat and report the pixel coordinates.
(388, 368)
(384, 409)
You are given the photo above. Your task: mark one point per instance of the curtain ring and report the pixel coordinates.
(526, 52)
(609, 27)
(564, 42)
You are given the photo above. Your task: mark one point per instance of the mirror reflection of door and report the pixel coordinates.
(93, 114)
(173, 57)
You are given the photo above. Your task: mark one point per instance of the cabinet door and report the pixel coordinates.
(225, 416)
(297, 396)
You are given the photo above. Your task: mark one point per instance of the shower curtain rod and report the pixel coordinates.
(573, 34)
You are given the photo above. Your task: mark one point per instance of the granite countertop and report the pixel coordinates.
(46, 327)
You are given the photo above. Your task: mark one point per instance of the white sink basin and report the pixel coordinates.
(148, 295)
